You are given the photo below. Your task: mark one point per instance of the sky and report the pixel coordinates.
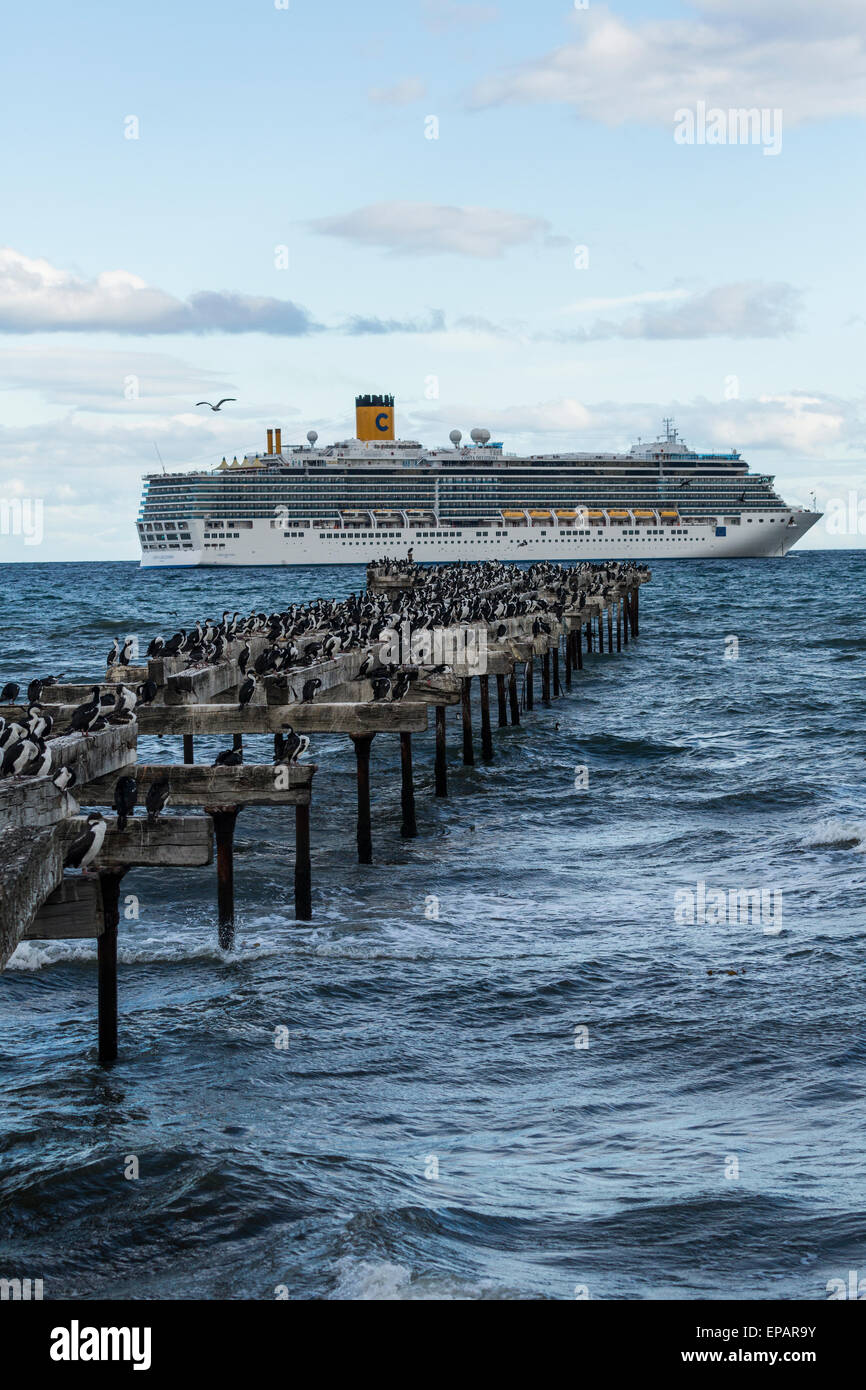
(540, 219)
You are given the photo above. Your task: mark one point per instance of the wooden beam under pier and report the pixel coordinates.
(178, 842)
(72, 912)
(197, 785)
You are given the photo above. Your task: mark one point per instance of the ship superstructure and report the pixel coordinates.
(348, 502)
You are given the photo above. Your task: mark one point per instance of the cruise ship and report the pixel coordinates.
(351, 502)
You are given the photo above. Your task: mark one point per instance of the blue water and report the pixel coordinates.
(416, 1043)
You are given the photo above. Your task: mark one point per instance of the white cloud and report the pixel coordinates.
(748, 309)
(417, 229)
(808, 424)
(109, 381)
(36, 296)
(401, 93)
(583, 306)
(442, 15)
(807, 59)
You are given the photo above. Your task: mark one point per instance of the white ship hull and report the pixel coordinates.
(259, 542)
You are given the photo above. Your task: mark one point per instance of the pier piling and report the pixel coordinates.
(486, 734)
(106, 956)
(303, 872)
(501, 701)
(362, 744)
(409, 828)
(513, 700)
(466, 702)
(224, 819)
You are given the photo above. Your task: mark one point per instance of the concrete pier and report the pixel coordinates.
(353, 668)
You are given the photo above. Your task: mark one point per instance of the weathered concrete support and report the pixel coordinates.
(409, 828)
(188, 749)
(303, 871)
(545, 678)
(513, 700)
(529, 673)
(501, 701)
(466, 702)
(106, 955)
(363, 743)
(33, 867)
(441, 763)
(486, 735)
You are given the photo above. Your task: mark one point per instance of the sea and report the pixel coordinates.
(598, 1032)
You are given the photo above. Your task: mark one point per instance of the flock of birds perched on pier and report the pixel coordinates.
(296, 638)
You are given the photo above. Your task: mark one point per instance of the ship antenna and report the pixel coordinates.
(158, 454)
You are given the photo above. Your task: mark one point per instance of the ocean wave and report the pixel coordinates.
(384, 1281)
(836, 833)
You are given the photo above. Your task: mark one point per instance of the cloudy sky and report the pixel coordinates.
(490, 209)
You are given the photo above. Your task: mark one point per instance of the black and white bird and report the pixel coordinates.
(309, 689)
(125, 797)
(289, 746)
(40, 764)
(9, 693)
(247, 691)
(86, 846)
(39, 723)
(111, 659)
(126, 652)
(34, 691)
(400, 685)
(16, 756)
(229, 757)
(244, 658)
(85, 715)
(381, 687)
(146, 692)
(64, 778)
(225, 400)
(126, 700)
(158, 797)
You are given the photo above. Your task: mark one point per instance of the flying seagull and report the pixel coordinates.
(224, 400)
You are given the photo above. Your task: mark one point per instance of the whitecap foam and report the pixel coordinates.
(385, 1281)
(834, 832)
